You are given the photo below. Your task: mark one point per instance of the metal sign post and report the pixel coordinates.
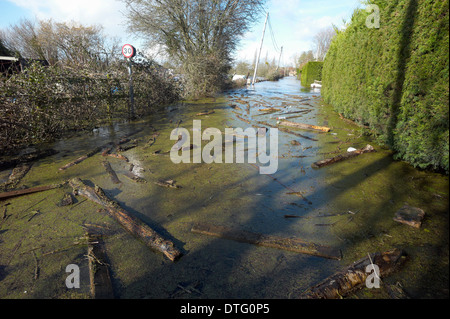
(129, 52)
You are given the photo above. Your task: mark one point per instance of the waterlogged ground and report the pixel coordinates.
(38, 239)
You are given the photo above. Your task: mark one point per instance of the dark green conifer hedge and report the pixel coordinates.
(395, 78)
(311, 72)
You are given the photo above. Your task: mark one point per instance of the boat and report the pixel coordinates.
(316, 85)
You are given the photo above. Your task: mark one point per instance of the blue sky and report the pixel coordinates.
(294, 22)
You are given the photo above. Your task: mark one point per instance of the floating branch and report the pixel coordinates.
(319, 164)
(305, 126)
(290, 244)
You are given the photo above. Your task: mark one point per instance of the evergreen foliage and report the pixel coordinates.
(311, 72)
(395, 78)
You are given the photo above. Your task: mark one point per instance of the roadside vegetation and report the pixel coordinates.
(395, 79)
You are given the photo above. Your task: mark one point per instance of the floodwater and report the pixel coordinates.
(38, 239)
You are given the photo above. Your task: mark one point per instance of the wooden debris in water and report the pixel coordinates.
(134, 177)
(348, 155)
(101, 286)
(118, 156)
(168, 184)
(305, 126)
(411, 216)
(67, 200)
(106, 151)
(285, 130)
(289, 244)
(16, 176)
(27, 191)
(242, 119)
(111, 172)
(354, 276)
(269, 110)
(206, 113)
(131, 223)
(81, 159)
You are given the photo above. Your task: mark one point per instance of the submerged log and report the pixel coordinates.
(305, 126)
(27, 191)
(111, 172)
(168, 184)
(285, 130)
(131, 223)
(206, 113)
(118, 156)
(101, 286)
(411, 216)
(290, 244)
(67, 200)
(134, 177)
(354, 277)
(16, 176)
(81, 159)
(329, 161)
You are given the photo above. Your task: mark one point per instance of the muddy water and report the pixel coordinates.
(38, 239)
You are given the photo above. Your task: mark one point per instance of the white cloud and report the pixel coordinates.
(107, 13)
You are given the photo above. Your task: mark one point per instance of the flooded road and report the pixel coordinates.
(38, 239)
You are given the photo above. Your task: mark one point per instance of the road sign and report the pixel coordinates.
(128, 51)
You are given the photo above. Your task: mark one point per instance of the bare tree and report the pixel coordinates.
(67, 43)
(200, 34)
(304, 58)
(322, 42)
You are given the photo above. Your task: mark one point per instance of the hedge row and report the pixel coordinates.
(311, 72)
(43, 103)
(396, 78)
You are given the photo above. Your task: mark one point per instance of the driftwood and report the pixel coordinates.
(131, 223)
(81, 159)
(243, 120)
(134, 177)
(319, 164)
(67, 200)
(118, 156)
(305, 126)
(105, 152)
(16, 176)
(290, 244)
(411, 216)
(111, 172)
(168, 184)
(27, 191)
(101, 286)
(354, 277)
(206, 113)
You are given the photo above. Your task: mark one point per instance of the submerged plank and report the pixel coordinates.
(339, 158)
(111, 172)
(354, 276)
(27, 191)
(101, 286)
(131, 223)
(290, 244)
(305, 126)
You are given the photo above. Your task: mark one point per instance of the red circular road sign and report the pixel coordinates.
(128, 51)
